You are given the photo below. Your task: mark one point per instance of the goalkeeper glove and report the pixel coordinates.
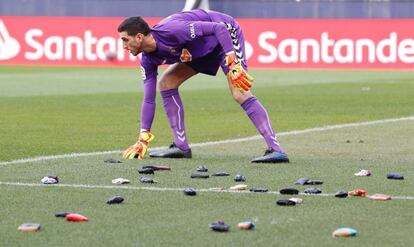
(139, 149)
(237, 75)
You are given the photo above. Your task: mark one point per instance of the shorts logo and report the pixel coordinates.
(143, 73)
(9, 47)
(185, 56)
(192, 31)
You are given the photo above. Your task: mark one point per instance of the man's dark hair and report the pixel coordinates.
(134, 25)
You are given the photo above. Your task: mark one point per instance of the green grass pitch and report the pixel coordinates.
(49, 111)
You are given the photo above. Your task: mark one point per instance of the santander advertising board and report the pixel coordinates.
(63, 41)
(270, 43)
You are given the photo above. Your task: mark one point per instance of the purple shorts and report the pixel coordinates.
(210, 63)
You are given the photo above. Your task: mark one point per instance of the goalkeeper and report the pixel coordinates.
(192, 42)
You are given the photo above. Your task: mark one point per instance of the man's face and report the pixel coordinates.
(132, 43)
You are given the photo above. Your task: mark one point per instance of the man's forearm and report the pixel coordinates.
(148, 103)
(147, 114)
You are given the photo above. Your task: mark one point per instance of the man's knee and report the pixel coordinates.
(165, 85)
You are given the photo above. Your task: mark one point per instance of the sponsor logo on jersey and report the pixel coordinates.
(192, 31)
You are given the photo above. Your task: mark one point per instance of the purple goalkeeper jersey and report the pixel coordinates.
(182, 38)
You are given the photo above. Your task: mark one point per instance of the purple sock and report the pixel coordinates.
(257, 113)
(175, 113)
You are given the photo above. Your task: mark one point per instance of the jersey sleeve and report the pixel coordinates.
(149, 76)
(187, 31)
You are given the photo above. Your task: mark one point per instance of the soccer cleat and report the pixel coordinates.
(302, 181)
(393, 175)
(197, 175)
(239, 187)
(307, 181)
(344, 232)
(296, 200)
(285, 202)
(115, 200)
(146, 171)
(358, 192)
(219, 226)
(113, 161)
(120, 181)
(76, 217)
(380, 197)
(220, 174)
(239, 178)
(312, 191)
(189, 192)
(50, 180)
(147, 180)
(158, 167)
(272, 156)
(363, 173)
(259, 190)
(246, 225)
(29, 227)
(341, 194)
(61, 214)
(289, 191)
(202, 168)
(172, 152)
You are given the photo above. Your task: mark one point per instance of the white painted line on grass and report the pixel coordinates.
(53, 157)
(127, 187)
(203, 144)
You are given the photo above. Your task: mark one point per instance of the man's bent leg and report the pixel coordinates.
(175, 112)
(175, 75)
(172, 78)
(259, 117)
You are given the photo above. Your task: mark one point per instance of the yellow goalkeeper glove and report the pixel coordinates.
(237, 75)
(139, 149)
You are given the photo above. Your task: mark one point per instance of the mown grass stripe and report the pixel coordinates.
(203, 144)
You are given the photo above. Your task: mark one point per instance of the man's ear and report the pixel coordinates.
(139, 36)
